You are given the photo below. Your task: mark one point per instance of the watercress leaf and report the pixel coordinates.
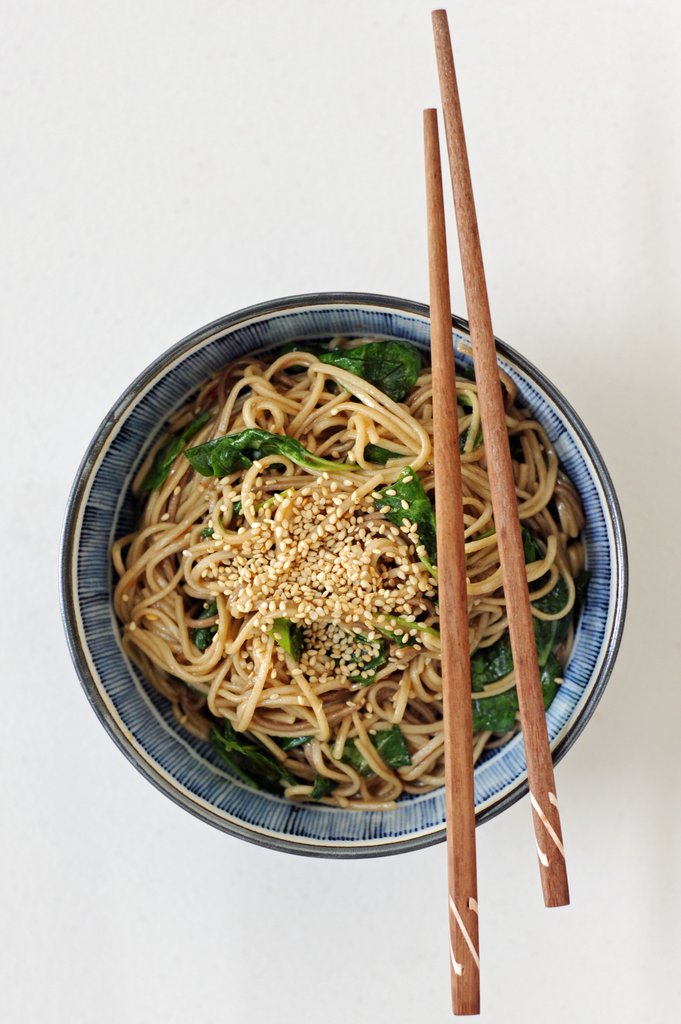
(173, 446)
(225, 455)
(202, 636)
(409, 488)
(322, 787)
(289, 636)
(392, 746)
(391, 366)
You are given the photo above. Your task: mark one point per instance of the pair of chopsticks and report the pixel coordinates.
(456, 680)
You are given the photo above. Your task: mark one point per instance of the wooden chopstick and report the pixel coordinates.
(542, 786)
(453, 601)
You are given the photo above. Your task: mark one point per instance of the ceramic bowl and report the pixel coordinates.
(101, 507)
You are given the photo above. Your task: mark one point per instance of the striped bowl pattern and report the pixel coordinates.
(101, 508)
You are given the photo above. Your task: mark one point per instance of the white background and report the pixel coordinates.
(164, 163)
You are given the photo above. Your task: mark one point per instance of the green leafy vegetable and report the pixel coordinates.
(531, 548)
(367, 655)
(352, 756)
(497, 714)
(391, 366)
(491, 663)
(408, 488)
(202, 636)
(173, 446)
(466, 403)
(225, 455)
(248, 759)
(404, 638)
(392, 746)
(207, 531)
(291, 742)
(374, 453)
(290, 637)
(322, 787)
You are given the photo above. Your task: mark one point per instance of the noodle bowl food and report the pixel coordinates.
(280, 588)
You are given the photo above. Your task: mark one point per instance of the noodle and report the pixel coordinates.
(218, 563)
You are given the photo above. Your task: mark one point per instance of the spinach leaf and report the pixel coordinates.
(530, 546)
(289, 636)
(497, 714)
(173, 445)
(491, 663)
(248, 759)
(322, 787)
(392, 746)
(368, 656)
(352, 756)
(202, 636)
(488, 664)
(291, 742)
(225, 455)
(391, 366)
(374, 453)
(404, 639)
(555, 600)
(408, 488)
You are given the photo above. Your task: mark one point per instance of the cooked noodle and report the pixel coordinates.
(316, 549)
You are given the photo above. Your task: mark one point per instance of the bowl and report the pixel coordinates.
(139, 720)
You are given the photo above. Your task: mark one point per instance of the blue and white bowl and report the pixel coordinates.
(101, 508)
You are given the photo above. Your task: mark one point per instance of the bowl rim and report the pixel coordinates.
(67, 599)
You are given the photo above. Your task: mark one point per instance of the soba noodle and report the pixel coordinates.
(217, 565)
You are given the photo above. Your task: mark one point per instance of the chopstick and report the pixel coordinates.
(548, 835)
(453, 601)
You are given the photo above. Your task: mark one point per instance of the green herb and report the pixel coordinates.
(289, 636)
(392, 746)
(497, 714)
(291, 742)
(322, 787)
(225, 455)
(391, 366)
(374, 453)
(173, 445)
(202, 636)
(207, 531)
(248, 759)
(408, 488)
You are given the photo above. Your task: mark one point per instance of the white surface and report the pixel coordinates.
(165, 163)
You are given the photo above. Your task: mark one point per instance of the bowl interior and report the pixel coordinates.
(102, 508)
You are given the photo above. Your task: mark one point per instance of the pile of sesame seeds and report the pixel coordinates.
(325, 557)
